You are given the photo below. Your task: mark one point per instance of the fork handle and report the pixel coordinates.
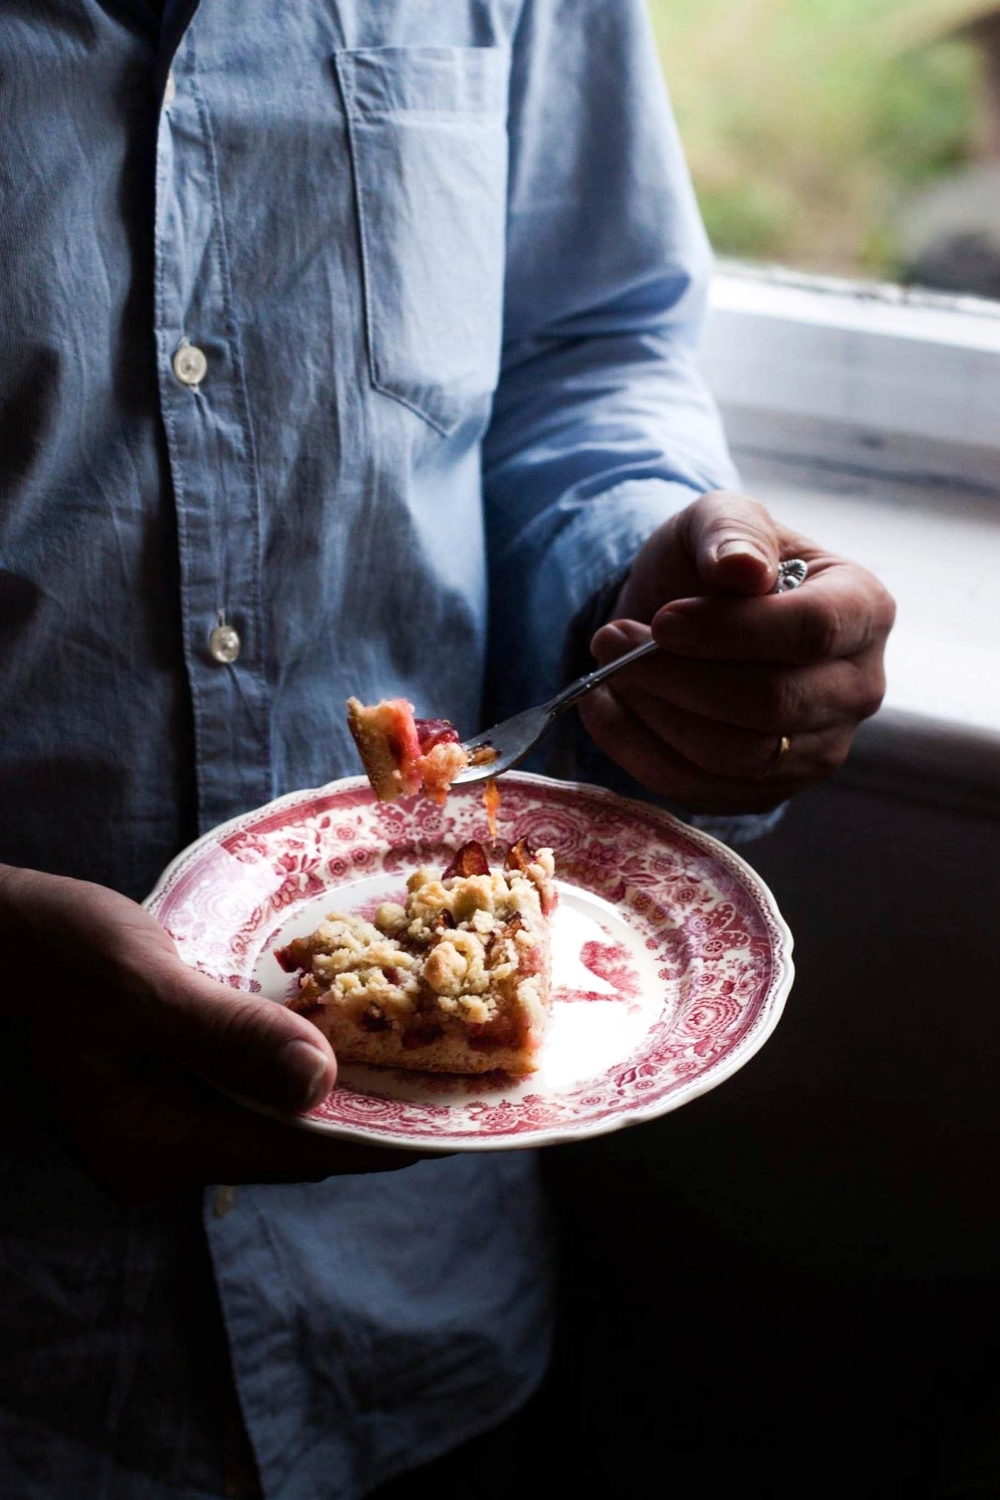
(791, 575)
(583, 685)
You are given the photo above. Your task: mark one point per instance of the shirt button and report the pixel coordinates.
(224, 644)
(224, 1201)
(190, 364)
(169, 90)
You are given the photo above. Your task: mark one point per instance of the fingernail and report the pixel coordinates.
(679, 621)
(628, 631)
(740, 548)
(604, 648)
(305, 1070)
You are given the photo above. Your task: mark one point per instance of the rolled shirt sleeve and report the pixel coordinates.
(602, 426)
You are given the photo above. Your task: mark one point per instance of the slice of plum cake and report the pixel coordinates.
(457, 980)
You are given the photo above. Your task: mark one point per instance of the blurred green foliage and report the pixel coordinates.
(808, 123)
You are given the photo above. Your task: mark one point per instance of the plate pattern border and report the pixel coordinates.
(721, 947)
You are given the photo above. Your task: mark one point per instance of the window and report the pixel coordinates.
(857, 137)
(846, 154)
(868, 417)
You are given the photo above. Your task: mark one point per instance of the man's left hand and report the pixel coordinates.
(755, 695)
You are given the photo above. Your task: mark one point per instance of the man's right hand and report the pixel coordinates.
(117, 1042)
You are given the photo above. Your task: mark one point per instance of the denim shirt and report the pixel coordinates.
(366, 328)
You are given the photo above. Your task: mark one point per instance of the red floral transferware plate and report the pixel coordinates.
(671, 962)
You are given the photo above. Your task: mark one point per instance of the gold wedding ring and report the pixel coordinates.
(778, 754)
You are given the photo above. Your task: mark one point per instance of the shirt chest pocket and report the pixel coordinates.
(428, 141)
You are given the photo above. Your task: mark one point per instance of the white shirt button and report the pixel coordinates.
(224, 644)
(169, 90)
(190, 364)
(224, 1201)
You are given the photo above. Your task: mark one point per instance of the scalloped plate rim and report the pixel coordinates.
(715, 1075)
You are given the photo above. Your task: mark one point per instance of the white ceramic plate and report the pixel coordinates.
(671, 961)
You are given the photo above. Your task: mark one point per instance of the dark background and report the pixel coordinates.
(792, 1283)
(789, 1288)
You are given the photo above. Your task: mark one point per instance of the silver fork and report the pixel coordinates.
(517, 737)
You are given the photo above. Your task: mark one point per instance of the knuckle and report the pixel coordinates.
(869, 706)
(877, 600)
(750, 523)
(830, 756)
(243, 1031)
(712, 503)
(728, 515)
(781, 703)
(870, 694)
(885, 611)
(143, 994)
(821, 630)
(253, 1025)
(757, 523)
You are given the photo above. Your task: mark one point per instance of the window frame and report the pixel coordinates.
(879, 379)
(877, 392)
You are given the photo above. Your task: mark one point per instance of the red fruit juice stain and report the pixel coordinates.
(611, 962)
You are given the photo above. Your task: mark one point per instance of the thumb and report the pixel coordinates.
(249, 1045)
(733, 543)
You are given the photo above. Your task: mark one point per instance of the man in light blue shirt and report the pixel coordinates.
(346, 347)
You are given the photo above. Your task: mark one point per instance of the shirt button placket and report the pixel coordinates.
(213, 465)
